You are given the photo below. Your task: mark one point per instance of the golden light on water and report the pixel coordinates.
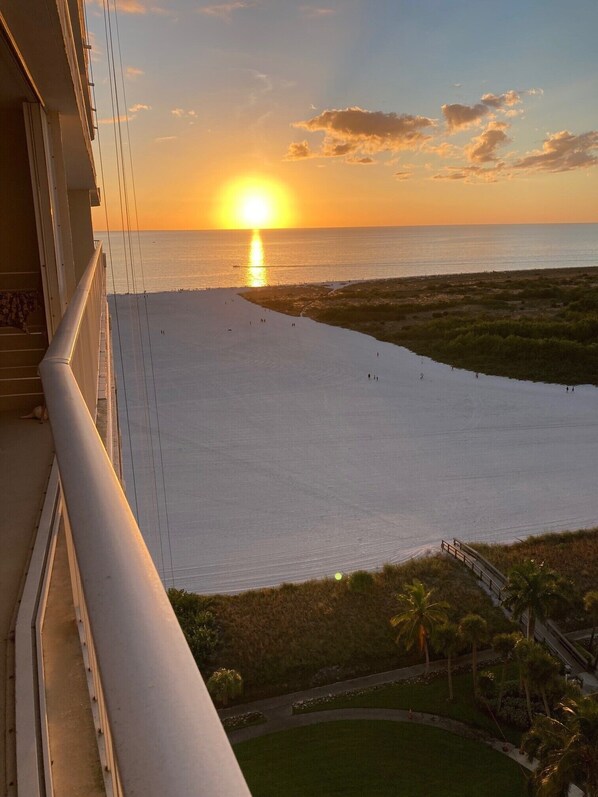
(255, 203)
(256, 270)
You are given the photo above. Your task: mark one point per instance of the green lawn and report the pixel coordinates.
(359, 758)
(431, 698)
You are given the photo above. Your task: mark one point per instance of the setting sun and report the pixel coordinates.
(255, 203)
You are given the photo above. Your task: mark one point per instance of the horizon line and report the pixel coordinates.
(351, 227)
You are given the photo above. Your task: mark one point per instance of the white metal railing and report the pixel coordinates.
(165, 733)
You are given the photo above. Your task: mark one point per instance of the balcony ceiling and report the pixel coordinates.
(36, 29)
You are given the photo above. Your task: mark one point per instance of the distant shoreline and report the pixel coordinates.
(466, 275)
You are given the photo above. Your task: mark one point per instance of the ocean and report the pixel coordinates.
(200, 259)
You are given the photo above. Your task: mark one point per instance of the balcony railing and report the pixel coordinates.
(162, 735)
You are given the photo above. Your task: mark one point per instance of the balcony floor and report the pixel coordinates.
(26, 453)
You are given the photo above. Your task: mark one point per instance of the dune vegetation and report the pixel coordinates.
(536, 325)
(296, 636)
(572, 554)
(300, 635)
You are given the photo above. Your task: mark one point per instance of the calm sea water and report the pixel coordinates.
(199, 259)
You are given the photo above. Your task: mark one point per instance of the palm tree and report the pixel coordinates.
(419, 615)
(542, 672)
(523, 653)
(474, 630)
(534, 589)
(224, 684)
(566, 748)
(446, 640)
(504, 645)
(590, 604)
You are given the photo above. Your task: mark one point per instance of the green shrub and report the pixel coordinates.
(198, 624)
(361, 581)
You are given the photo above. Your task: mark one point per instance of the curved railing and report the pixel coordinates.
(163, 732)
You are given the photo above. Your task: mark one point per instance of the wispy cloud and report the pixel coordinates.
(133, 6)
(181, 113)
(298, 150)
(139, 107)
(224, 11)
(112, 120)
(403, 175)
(443, 149)
(471, 174)
(164, 139)
(315, 12)
(132, 72)
(563, 152)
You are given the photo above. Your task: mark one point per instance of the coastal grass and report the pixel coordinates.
(297, 636)
(355, 758)
(430, 696)
(573, 554)
(538, 325)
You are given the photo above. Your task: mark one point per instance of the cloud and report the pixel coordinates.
(181, 113)
(563, 152)
(298, 150)
(373, 131)
(224, 11)
(509, 98)
(364, 161)
(482, 149)
(132, 7)
(163, 139)
(471, 174)
(459, 117)
(313, 12)
(139, 107)
(333, 148)
(403, 175)
(133, 73)
(443, 150)
(112, 120)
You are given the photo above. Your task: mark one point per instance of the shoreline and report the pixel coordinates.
(478, 275)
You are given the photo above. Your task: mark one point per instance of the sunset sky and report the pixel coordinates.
(353, 112)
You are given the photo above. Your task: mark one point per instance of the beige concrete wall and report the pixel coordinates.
(81, 230)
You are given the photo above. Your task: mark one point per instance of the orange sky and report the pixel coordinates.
(413, 115)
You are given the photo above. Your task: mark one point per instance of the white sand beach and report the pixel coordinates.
(284, 462)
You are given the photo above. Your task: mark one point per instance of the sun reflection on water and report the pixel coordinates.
(256, 270)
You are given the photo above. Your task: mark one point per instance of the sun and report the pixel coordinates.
(253, 203)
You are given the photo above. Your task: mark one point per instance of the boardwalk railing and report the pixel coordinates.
(548, 633)
(162, 735)
(493, 579)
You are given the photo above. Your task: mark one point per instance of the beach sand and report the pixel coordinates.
(283, 461)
